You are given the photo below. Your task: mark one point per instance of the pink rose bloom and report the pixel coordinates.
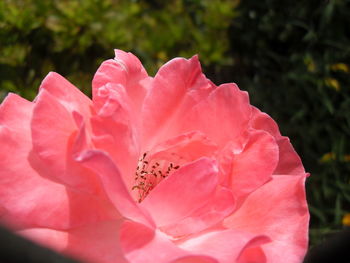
(165, 169)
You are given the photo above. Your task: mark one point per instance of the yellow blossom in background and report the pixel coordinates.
(327, 157)
(340, 67)
(332, 83)
(331, 156)
(346, 219)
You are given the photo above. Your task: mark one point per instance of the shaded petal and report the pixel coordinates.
(54, 130)
(177, 86)
(195, 259)
(113, 184)
(146, 245)
(52, 127)
(252, 255)
(183, 191)
(26, 198)
(114, 130)
(226, 246)
(97, 243)
(213, 212)
(223, 116)
(184, 148)
(125, 69)
(289, 160)
(279, 210)
(253, 166)
(91, 243)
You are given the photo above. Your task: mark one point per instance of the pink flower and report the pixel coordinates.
(163, 169)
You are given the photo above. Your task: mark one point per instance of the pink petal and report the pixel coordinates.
(53, 142)
(283, 217)
(177, 86)
(224, 246)
(290, 162)
(51, 238)
(223, 116)
(262, 121)
(195, 259)
(13, 110)
(253, 166)
(184, 148)
(252, 254)
(125, 69)
(96, 243)
(114, 186)
(146, 245)
(185, 190)
(114, 130)
(50, 136)
(28, 199)
(66, 94)
(213, 212)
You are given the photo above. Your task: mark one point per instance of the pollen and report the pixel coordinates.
(149, 173)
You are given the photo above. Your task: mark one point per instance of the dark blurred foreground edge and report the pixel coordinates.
(14, 248)
(334, 249)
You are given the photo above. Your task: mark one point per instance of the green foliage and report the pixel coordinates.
(73, 37)
(293, 58)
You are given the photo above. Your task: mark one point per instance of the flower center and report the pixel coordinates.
(149, 173)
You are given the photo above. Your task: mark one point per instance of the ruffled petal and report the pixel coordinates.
(54, 130)
(195, 183)
(178, 85)
(114, 186)
(184, 148)
(226, 246)
(115, 131)
(289, 160)
(66, 94)
(279, 210)
(52, 127)
(213, 212)
(28, 199)
(262, 121)
(125, 69)
(223, 116)
(253, 166)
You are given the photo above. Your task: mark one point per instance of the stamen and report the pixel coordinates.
(149, 173)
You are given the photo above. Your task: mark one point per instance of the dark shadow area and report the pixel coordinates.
(334, 249)
(16, 249)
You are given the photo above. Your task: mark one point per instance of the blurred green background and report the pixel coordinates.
(292, 57)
